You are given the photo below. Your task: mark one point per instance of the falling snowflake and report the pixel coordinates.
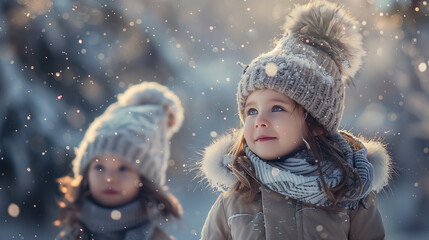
(13, 210)
(275, 172)
(116, 215)
(271, 69)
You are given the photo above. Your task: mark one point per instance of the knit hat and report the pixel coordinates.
(318, 55)
(137, 128)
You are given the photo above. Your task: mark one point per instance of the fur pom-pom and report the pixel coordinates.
(329, 27)
(155, 93)
(213, 166)
(382, 163)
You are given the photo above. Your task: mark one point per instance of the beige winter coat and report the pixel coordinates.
(159, 234)
(273, 216)
(69, 233)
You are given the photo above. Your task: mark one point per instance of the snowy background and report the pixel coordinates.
(63, 62)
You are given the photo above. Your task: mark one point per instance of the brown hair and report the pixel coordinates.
(319, 140)
(76, 189)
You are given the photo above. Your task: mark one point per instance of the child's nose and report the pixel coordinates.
(261, 121)
(110, 177)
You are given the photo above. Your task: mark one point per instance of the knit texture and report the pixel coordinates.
(297, 176)
(127, 222)
(137, 129)
(320, 52)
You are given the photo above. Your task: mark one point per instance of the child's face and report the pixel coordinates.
(112, 181)
(273, 125)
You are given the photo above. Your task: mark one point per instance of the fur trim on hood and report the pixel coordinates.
(216, 157)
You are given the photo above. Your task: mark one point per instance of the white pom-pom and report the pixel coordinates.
(213, 167)
(155, 93)
(329, 27)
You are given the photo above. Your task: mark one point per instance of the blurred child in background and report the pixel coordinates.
(117, 191)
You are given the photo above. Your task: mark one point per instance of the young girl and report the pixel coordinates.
(118, 191)
(288, 173)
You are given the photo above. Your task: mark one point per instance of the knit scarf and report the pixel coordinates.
(297, 176)
(127, 222)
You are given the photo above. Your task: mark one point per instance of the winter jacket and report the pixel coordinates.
(273, 216)
(158, 234)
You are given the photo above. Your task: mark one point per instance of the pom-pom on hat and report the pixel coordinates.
(318, 55)
(137, 128)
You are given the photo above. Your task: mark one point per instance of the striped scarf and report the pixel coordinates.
(297, 176)
(127, 222)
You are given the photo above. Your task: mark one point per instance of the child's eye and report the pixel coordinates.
(99, 167)
(277, 109)
(123, 168)
(252, 111)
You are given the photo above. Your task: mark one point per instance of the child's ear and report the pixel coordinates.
(318, 131)
(171, 120)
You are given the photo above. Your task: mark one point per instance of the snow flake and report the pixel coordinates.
(275, 172)
(213, 134)
(161, 206)
(13, 210)
(116, 215)
(422, 67)
(271, 69)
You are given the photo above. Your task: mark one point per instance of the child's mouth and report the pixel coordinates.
(264, 138)
(110, 192)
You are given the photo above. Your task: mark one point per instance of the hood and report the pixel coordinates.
(216, 157)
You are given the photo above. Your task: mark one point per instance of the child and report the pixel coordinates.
(288, 172)
(118, 191)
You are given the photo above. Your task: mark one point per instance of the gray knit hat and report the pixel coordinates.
(137, 128)
(319, 53)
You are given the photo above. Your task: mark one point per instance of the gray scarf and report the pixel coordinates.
(127, 222)
(297, 176)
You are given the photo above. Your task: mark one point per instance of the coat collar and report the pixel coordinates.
(214, 168)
